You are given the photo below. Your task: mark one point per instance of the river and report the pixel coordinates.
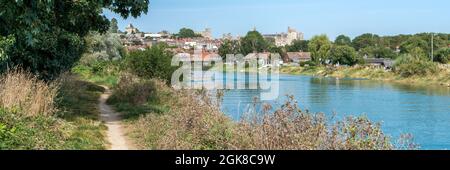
(422, 111)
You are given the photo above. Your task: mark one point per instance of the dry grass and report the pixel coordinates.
(194, 121)
(133, 89)
(58, 115)
(291, 128)
(23, 91)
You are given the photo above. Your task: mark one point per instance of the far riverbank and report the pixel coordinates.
(441, 78)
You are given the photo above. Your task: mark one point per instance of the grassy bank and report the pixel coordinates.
(442, 77)
(159, 117)
(56, 115)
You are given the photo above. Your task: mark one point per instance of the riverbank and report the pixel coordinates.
(159, 117)
(441, 78)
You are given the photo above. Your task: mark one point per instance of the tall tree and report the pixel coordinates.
(442, 55)
(343, 40)
(377, 52)
(49, 34)
(113, 27)
(253, 42)
(320, 46)
(343, 54)
(298, 45)
(229, 47)
(414, 42)
(365, 40)
(187, 33)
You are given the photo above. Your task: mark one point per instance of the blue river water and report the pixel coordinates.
(421, 111)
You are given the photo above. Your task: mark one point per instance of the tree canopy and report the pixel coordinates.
(113, 27)
(343, 54)
(298, 45)
(343, 40)
(253, 42)
(48, 35)
(320, 46)
(412, 43)
(365, 40)
(187, 33)
(442, 55)
(229, 47)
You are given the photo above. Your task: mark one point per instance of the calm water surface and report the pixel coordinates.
(421, 111)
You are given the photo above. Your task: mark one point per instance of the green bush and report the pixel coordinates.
(408, 65)
(18, 131)
(132, 90)
(154, 62)
(344, 55)
(5, 47)
(442, 55)
(134, 97)
(309, 63)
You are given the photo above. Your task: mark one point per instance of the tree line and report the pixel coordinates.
(47, 37)
(347, 51)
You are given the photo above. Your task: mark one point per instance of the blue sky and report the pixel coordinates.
(331, 17)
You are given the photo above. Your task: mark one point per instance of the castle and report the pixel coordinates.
(283, 39)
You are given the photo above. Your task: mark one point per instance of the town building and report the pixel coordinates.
(297, 57)
(207, 33)
(133, 39)
(130, 29)
(379, 62)
(227, 36)
(283, 39)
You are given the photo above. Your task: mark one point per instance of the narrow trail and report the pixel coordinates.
(113, 121)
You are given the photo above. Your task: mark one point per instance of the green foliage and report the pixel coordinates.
(103, 59)
(298, 45)
(365, 40)
(49, 34)
(5, 46)
(344, 54)
(154, 62)
(187, 33)
(378, 52)
(20, 132)
(135, 97)
(414, 64)
(343, 40)
(320, 47)
(412, 43)
(253, 42)
(442, 55)
(113, 28)
(229, 47)
(275, 50)
(77, 105)
(107, 46)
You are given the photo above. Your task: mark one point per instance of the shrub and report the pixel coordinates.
(154, 62)
(442, 55)
(21, 90)
(344, 55)
(18, 131)
(289, 127)
(409, 65)
(309, 63)
(6, 44)
(131, 89)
